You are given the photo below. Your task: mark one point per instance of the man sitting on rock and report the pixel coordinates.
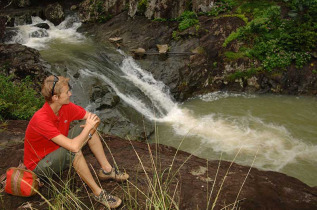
(49, 147)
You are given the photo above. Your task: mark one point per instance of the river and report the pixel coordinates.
(277, 132)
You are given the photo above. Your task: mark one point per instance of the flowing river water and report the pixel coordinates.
(278, 131)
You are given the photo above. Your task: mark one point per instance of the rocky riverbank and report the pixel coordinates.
(196, 63)
(207, 69)
(194, 181)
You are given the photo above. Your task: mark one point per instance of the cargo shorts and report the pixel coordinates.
(59, 160)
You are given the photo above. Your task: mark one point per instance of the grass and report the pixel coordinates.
(153, 187)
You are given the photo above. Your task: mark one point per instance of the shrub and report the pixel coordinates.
(142, 5)
(187, 19)
(221, 6)
(275, 41)
(18, 101)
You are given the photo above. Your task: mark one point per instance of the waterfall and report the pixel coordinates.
(212, 132)
(39, 38)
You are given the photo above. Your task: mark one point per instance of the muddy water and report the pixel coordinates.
(278, 131)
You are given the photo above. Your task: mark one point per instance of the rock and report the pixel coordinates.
(54, 13)
(42, 25)
(202, 5)
(138, 53)
(22, 3)
(74, 7)
(39, 33)
(253, 82)
(10, 33)
(21, 16)
(23, 61)
(115, 39)
(3, 21)
(162, 48)
(22, 20)
(257, 189)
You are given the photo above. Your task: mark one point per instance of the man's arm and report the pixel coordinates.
(75, 144)
(86, 115)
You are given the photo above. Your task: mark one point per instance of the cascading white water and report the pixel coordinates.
(212, 132)
(227, 134)
(64, 32)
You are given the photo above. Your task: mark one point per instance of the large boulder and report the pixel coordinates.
(196, 183)
(21, 61)
(22, 3)
(93, 10)
(3, 21)
(54, 13)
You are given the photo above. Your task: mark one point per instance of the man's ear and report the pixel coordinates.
(54, 98)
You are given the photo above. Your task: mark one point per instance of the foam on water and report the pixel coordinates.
(64, 32)
(275, 145)
(228, 134)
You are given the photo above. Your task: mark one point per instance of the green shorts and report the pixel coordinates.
(58, 160)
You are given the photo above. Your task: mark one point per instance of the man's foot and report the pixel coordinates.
(113, 174)
(108, 200)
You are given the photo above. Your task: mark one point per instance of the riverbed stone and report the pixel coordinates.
(42, 25)
(22, 61)
(39, 33)
(230, 182)
(54, 13)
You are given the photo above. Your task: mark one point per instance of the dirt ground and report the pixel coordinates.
(193, 180)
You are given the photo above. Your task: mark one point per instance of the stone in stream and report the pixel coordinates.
(54, 13)
(39, 33)
(138, 53)
(42, 25)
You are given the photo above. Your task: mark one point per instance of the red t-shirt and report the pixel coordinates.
(44, 126)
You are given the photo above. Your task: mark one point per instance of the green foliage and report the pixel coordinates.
(187, 23)
(175, 35)
(187, 19)
(221, 7)
(234, 55)
(231, 37)
(142, 5)
(98, 13)
(160, 19)
(104, 18)
(244, 74)
(275, 41)
(18, 101)
(241, 16)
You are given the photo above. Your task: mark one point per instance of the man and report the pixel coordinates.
(49, 149)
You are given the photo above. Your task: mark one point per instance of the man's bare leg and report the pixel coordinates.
(81, 167)
(97, 149)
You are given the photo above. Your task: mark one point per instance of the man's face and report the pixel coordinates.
(65, 95)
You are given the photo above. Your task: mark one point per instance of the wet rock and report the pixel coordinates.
(39, 33)
(73, 7)
(54, 13)
(138, 53)
(42, 25)
(3, 21)
(252, 188)
(117, 122)
(10, 33)
(23, 61)
(21, 16)
(22, 20)
(203, 5)
(163, 48)
(154, 9)
(117, 118)
(22, 3)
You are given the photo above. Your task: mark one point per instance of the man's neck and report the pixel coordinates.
(55, 107)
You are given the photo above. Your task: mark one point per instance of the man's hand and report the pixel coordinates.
(92, 122)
